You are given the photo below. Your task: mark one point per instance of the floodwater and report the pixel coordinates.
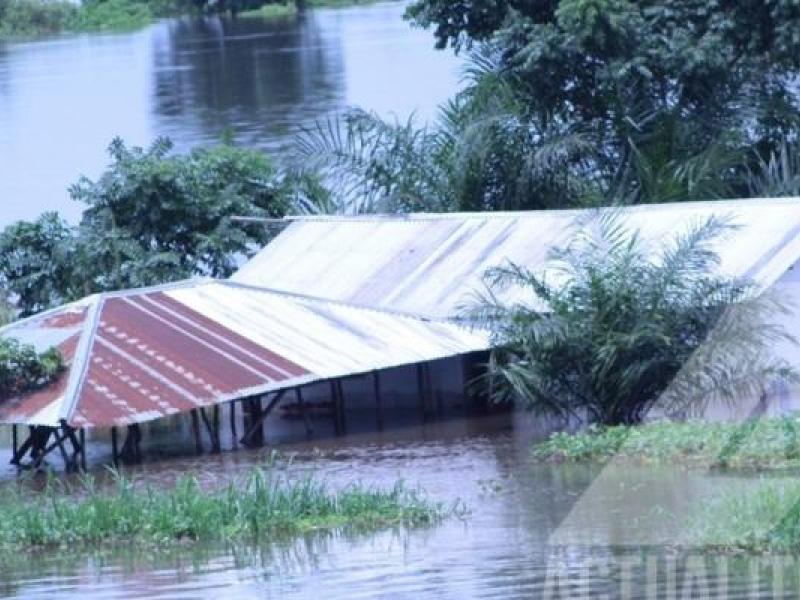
(531, 531)
(62, 100)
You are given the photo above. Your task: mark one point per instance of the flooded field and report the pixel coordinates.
(531, 530)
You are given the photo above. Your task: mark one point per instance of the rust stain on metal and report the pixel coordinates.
(65, 319)
(141, 355)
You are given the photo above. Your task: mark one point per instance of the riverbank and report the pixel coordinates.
(288, 9)
(32, 18)
(36, 18)
(764, 444)
(264, 502)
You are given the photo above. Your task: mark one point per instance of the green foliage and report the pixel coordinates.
(152, 217)
(35, 17)
(764, 444)
(37, 263)
(97, 15)
(265, 502)
(25, 18)
(764, 519)
(778, 175)
(277, 10)
(23, 369)
(482, 153)
(675, 98)
(616, 328)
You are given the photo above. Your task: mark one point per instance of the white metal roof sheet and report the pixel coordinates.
(432, 264)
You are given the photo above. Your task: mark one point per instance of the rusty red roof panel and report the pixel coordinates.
(140, 355)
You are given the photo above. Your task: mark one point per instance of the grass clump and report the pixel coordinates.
(264, 502)
(110, 15)
(337, 3)
(277, 10)
(765, 519)
(772, 443)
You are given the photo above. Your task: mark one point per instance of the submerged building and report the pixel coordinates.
(336, 314)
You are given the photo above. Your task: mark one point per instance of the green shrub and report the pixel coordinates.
(35, 17)
(96, 15)
(764, 519)
(615, 328)
(23, 369)
(763, 444)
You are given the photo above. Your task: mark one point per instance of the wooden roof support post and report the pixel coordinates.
(376, 383)
(337, 400)
(258, 424)
(19, 453)
(83, 449)
(232, 407)
(132, 447)
(304, 411)
(114, 447)
(422, 391)
(198, 441)
(212, 427)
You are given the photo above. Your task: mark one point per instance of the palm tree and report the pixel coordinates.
(483, 152)
(614, 330)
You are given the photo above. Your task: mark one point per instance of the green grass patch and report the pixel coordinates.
(264, 502)
(762, 444)
(32, 18)
(337, 3)
(765, 519)
(111, 15)
(278, 10)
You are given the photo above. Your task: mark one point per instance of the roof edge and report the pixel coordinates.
(523, 214)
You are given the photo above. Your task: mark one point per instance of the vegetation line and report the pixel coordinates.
(765, 519)
(764, 444)
(264, 502)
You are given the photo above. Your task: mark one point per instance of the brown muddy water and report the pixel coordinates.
(532, 531)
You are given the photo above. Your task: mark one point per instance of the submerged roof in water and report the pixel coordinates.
(141, 355)
(328, 298)
(432, 264)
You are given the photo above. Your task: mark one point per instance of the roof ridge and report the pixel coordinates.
(524, 214)
(80, 362)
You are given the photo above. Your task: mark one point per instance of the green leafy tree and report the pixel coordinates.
(614, 330)
(154, 216)
(170, 214)
(654, 85)
(23, 369)
(36, 262)
(481, 153)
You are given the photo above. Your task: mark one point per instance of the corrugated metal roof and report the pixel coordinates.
(330, 297)
(144, 354)
(431, 264)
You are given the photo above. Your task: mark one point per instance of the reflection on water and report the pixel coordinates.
(62, 100)
(506, 547)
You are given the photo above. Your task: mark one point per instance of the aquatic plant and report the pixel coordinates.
(277, 10)
(763, 519)
(771, 443)
(264, 502)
